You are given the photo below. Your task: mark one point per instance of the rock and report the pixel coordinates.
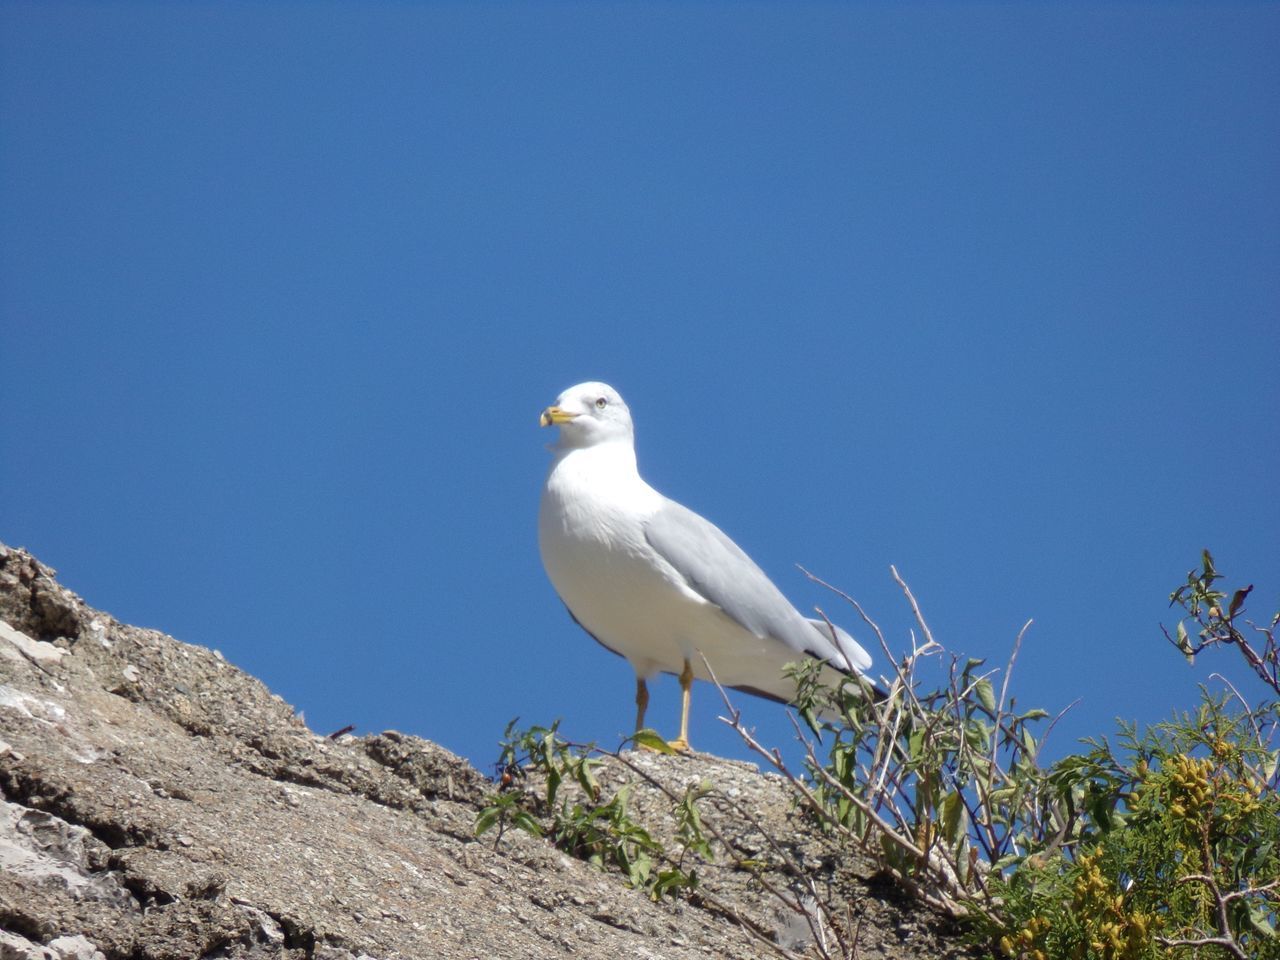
(14, 947)
(14, 642)
(48, 851)
(74, 948)
(160, 804)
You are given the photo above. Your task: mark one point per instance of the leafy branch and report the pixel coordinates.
(588, 824)
(1219, 625)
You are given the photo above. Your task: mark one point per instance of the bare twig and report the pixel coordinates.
(815, 927)
(1004, 688)
(915, 607)
(947, 901)
(1053, 723)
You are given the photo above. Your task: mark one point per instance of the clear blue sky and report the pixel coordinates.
(989, 292)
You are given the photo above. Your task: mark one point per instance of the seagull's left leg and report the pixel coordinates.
(642, 701)
(681, 742)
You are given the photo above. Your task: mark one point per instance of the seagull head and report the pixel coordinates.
(588, 414)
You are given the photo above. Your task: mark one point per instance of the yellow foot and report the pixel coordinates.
(680, 745)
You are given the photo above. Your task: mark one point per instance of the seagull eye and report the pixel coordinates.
(601, 402)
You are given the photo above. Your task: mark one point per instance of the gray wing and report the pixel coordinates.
(720, 571)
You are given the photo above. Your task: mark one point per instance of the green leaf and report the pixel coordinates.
(1236, 600)
(526, 822)
(1259, 920)
(842, 764)
(1184, 642)
(652, 740)
(1000, 795)
(582, 773)
(810, 718)
(979, 733)
(952, 818)
(672, 881)
(986, 696)
(915, 744)
(638, 869)
(1029, 745)
(488, 817)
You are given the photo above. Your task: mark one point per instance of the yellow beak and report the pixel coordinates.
(554, 416)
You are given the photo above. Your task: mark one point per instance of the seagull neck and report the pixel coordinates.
(620, 452)
(612, 461)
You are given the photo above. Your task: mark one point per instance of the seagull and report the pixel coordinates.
(655, 582)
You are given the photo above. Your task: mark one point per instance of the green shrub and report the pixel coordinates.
(1165, 845)
(588, 823)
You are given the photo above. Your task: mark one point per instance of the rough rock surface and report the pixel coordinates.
(159, 804)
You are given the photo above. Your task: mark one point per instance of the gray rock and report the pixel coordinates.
(74, 948)
(162, 805)
(46, 850)
(14, 642)
(15, 947)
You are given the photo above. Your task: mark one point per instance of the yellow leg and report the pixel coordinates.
(681, 742)
(642, 701)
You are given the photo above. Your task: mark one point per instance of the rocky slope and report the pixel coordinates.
(160, 804)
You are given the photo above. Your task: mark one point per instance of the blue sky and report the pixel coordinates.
(989, 292)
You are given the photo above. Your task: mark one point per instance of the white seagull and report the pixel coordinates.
(656, 583)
